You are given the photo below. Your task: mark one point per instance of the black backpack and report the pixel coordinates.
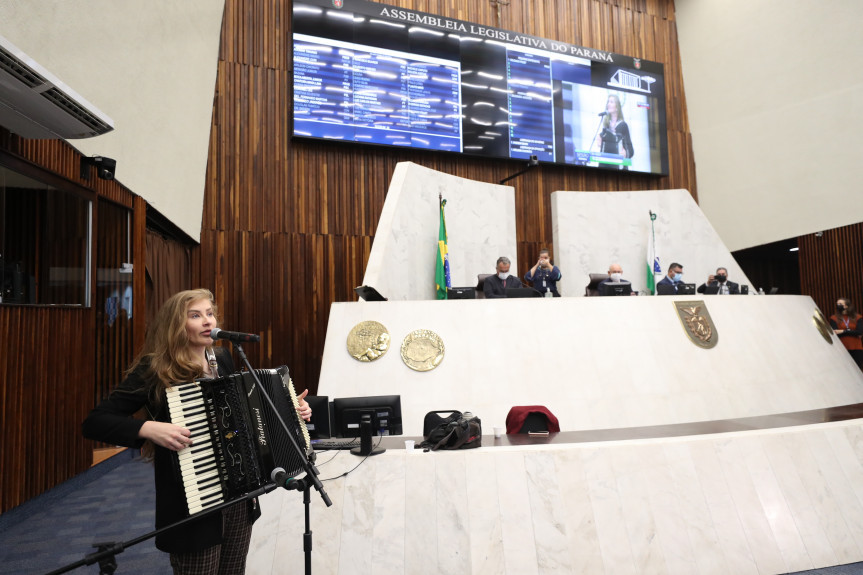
(456, 431)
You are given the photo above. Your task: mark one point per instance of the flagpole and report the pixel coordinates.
(442, 271)
(653, 255)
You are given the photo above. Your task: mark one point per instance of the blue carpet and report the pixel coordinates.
(113, 501)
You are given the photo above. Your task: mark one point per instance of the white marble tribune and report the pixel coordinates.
(749, 502)
(480, 219)
(596, 362)
(592, 230)
(740, 503)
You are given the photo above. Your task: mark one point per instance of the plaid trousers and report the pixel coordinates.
(229, 558)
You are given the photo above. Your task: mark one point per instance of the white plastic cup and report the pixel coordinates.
(498, 431)
(409, 444)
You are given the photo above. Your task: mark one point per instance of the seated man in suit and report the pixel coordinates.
(615, 277)
(495, 286)
(673, 277)
(720, 281)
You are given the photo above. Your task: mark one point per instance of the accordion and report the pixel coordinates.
(237, 440)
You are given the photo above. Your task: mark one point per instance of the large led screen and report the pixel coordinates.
(371, 73)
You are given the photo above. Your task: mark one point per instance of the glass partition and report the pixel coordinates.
(45, 243)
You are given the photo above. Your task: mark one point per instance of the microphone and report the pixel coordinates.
(234, 336)
(601, 114)
(524, 284)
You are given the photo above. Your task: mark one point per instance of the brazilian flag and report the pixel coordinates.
(442, 276)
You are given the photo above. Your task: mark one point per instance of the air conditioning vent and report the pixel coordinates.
(61, 100)
(36, 104)
(11, 65)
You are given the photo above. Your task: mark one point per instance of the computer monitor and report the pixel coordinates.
(320, 424)
(682, 289)
(461, 293)
(712, 290)
(385, 412)
(610, 289)
(522, 292)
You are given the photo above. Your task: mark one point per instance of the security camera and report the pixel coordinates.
(105, 167)
(534, 161)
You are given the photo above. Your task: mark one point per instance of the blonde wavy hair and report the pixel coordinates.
(606, 121)
(166, 348)
(166, 352)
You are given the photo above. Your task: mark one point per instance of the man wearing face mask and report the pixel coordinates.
(543, 275)
(615, 277)
(847, 324)
(721, 283)
(495, 286)
(673, 278)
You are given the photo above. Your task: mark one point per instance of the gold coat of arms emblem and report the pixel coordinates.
(823, 326)
(697, 323)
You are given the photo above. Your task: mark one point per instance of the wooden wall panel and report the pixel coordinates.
(48, 368)
(139, 233)
(282, 286)
(46, 391)
(288, 225)
(831, 266)
(63, 161)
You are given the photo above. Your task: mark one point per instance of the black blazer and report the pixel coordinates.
(733, 288)
(494, 287)
(112, 422)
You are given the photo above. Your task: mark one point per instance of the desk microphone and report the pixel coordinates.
(524, 285)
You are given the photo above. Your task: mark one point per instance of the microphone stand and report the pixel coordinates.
(593, 141)
(302, 484)
(105, 555)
